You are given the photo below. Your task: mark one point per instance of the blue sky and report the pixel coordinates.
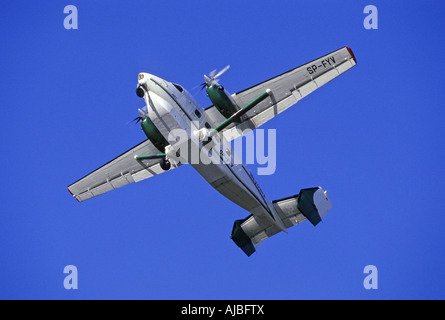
(373, 138)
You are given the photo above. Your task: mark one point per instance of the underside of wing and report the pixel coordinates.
(285, 90)
(121, 171)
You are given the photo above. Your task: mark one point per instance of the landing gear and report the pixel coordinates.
(165, 164)
(140, 92)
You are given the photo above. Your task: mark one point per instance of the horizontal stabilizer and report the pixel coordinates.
(310, 204)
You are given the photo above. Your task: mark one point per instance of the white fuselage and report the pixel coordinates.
(183, 122)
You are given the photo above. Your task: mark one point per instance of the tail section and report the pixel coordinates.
(314, 204)
(241, 239)
(310, 204)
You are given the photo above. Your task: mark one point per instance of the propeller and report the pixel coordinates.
(143, 113)
(212, 78)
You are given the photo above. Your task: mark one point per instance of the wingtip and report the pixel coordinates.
(352, 54)
(68, 188)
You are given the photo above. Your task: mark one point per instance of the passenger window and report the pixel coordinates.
(207, 125)
(198, 114)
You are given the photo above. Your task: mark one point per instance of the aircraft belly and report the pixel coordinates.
(223, 179)
(166, 117)
(233, 181)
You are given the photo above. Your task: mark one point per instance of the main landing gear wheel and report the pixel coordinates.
(165, 164)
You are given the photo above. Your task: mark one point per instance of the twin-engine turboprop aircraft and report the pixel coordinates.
(178, 130)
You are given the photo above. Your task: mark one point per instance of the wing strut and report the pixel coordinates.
(236, 116)
(165, 164)
(155, 156)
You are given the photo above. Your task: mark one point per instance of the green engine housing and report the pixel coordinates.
(221, 100)
(153, 134)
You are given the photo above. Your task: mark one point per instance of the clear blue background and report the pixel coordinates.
(374, 138)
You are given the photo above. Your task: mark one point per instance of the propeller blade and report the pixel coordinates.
(212, 78)
(221, 72)
(137, 120)
(211, 74)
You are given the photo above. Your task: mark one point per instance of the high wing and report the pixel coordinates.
(286, 90)
(121, 171)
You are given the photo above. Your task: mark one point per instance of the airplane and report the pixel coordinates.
(170, 109)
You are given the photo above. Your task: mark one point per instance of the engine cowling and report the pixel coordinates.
(222, 100)
(153, 134)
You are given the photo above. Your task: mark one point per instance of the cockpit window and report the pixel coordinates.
(177, 86)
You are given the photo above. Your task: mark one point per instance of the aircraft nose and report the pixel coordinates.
(143, 84)
(143, 77)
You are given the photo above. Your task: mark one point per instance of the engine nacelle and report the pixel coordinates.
(153, 134)
(222, 100)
